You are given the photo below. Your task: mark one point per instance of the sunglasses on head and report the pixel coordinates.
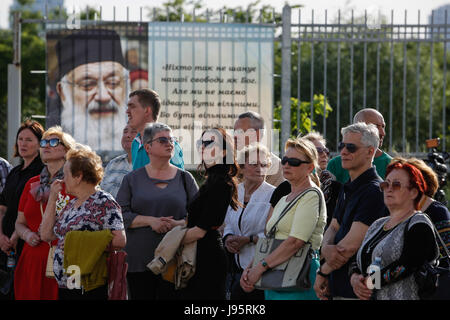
(323, 150)
(52, 142)
(293, 162)
(351, 147)
(396, 185)
(204, 143)
(164, 140)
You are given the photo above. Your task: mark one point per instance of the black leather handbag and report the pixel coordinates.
(433, 278)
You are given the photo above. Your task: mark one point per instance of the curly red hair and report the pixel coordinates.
(416, 179)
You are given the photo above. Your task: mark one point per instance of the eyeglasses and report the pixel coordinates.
(204, 143)
(293, 162)
(52, 142)
(324, 150)
(90, 84)
(396, 185)
(351, 147)
(164, 140)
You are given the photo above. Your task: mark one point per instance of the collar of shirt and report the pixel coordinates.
(139, 140)
(366, 176)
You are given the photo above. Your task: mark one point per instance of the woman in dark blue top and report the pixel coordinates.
(206, 213)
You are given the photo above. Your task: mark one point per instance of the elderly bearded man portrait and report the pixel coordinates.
(93, 86)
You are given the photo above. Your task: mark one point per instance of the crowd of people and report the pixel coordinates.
(356, 207)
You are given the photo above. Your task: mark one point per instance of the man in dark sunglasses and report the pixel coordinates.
(381, 159)
(360, 203)
(248, 129)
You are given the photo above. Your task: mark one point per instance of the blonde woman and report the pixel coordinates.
(244, 225)
(30, 281)
(303, 223)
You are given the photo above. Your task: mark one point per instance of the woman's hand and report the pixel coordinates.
(161, 224)
(232, 244)
(358, 283)
(321, 287)
(244, 282)
(5, 243)
(55, 189)
(32, 238)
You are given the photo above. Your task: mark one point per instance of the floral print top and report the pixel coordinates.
(100, 211)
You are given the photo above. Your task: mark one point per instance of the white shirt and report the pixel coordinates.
(249, 221)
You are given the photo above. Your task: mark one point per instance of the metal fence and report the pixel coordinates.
(399, 69)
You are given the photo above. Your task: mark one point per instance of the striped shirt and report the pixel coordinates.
(116, 169)
(5, 168)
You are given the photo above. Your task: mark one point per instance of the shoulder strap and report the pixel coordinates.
(271, 233)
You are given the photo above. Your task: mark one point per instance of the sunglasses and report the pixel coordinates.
(52, 142)
(396, 185)
(204, 143)
(351, 147)
(323, 150)
(164, 140)
(293, 162)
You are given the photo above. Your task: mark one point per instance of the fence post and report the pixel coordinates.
(14, 89)
(286, 76)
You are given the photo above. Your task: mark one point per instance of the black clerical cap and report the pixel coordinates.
(87, 46)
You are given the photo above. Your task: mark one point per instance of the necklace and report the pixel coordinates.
(385, 228)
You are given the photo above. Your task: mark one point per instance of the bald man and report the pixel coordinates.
(381, 160)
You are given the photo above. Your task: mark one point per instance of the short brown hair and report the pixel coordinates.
(86, 162)
(148, 98)
(35, 127)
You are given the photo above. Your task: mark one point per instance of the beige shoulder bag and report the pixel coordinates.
(51, 254)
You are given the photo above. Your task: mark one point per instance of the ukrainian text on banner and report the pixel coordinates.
(208, 74)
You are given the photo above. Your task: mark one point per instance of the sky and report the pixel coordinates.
(319, 7)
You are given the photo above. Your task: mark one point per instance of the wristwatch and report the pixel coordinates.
(320, 273)
(265, 265)
(251, 239)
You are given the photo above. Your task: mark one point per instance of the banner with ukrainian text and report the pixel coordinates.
(207, 74)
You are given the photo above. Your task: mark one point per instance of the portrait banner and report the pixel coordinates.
(91, 71)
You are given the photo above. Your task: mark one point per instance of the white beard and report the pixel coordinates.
(103, 133)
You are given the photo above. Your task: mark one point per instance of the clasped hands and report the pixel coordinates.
(234, 243)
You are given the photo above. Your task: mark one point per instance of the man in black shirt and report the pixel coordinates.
(359, 204)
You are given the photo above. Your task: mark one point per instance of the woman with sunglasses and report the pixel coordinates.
(30, 282)
(27, 149)
(401, 250)
(244, 225)
(303, 223)
(153, 200)
(206, 214)
(438, 213)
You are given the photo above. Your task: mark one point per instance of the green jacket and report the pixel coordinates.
(86, 249)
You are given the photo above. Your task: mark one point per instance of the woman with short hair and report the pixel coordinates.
(403, 241)
(30, 282)
(153, 200)
(92, 209)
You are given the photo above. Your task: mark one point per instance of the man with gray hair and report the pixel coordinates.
(248, 129)
(381, 159)
(360, 203)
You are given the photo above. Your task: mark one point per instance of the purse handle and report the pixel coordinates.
(271, 233)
